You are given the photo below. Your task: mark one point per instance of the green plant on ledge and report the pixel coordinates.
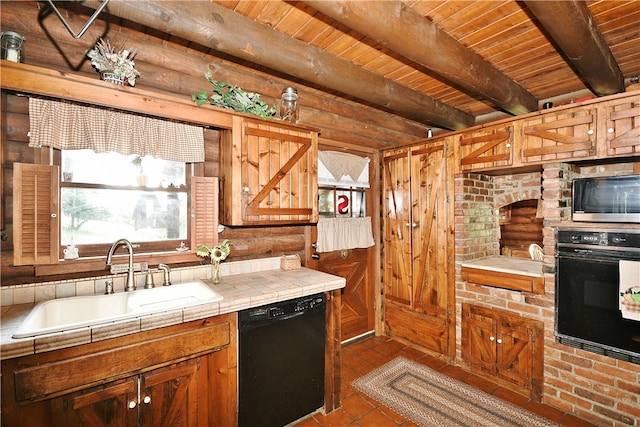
(226, 95)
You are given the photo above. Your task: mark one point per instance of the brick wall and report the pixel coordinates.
(600, 389)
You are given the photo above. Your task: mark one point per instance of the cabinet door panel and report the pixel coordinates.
(397, 228)
(478, 339)
(623, 127)
(269, 173)
(169, 396)
(430, 233)
(567, 135)
(486, 149)
(514, 353)
(100, 406)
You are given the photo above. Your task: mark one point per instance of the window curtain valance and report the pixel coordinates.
(69, 126)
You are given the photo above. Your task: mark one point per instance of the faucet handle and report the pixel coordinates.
(167, 270)
(148, 283)
(108, 286)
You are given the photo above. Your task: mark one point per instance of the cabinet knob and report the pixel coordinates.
(132, 404)
(146, 399)
(492, 338)
(611, 130)
(499, 340)
(590, 132)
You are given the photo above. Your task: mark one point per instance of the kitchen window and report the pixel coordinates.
(106, 196)
(341, 202)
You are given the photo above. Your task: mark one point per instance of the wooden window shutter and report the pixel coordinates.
(204, 211)
(36, 216)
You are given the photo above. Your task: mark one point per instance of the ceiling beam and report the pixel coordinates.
(573, 29)
(226, 31)
(403, 30)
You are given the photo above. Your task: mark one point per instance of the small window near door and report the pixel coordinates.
(341, 202)
(105, 196)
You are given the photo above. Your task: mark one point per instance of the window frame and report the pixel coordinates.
(154, 247)
(335, 189)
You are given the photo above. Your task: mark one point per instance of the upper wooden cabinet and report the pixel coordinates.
(597, 129)
(269, 173)
(486, 148)
(620, 128)
(564, 136)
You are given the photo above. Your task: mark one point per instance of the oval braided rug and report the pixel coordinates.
(429, 398)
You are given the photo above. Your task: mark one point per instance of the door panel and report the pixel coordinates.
(357, 296)
(398, 229)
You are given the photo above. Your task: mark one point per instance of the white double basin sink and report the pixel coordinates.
(71, 313)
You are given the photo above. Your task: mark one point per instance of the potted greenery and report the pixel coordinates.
(115, 65)
(226, 95)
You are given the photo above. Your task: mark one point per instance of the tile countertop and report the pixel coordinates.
(240, 291)
(507, 264)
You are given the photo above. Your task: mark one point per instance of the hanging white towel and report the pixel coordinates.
(337, 234)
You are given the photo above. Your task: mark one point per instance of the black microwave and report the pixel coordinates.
(606, 199)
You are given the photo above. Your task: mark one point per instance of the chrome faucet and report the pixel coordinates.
(131, 282)
(166, 269)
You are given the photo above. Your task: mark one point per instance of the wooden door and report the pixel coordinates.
(519, 353)
(486, 148)
(565, 135)
(269, 173)
(505, 346)
(514, 353)
(357, 312)
(398, 227)
(168, 396)
(622, 127)
(431, 233)
(478, 339)
(418, 284)
(101, 406)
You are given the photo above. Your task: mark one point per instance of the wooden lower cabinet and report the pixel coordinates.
(187, 377)
(505, 347)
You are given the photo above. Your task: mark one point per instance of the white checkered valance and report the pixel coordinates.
(69, 126)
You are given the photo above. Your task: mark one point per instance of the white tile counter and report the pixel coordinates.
(240, 291)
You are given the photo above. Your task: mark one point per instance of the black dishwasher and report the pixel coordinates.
(281, 366)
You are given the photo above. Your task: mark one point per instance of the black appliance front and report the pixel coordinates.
(281, 366)
(588, 293)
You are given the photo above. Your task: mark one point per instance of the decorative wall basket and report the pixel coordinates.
(113, 78)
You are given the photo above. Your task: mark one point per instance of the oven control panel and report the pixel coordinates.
(624, 239)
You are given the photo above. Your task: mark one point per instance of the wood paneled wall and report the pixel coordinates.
(172, 67)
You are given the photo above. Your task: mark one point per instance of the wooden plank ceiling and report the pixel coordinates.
(447, 64)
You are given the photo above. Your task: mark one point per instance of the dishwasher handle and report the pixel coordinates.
(289, 316)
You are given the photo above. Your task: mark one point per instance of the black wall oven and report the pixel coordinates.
(588, 297)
